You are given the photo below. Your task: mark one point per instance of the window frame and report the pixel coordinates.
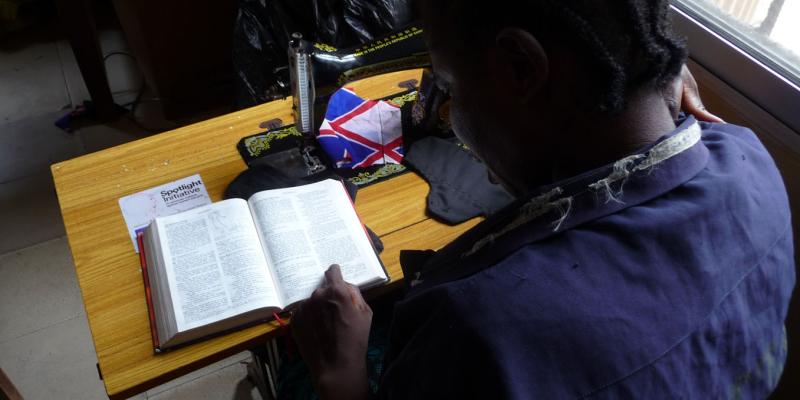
(756, 81)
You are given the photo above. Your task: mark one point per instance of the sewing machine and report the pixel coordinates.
(317, 70)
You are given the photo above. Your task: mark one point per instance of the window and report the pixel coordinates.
(769, 30)
(752, 45)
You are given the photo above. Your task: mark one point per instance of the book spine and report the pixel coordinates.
(148, 293)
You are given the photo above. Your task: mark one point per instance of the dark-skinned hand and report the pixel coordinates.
(684, 95)
(331, 329)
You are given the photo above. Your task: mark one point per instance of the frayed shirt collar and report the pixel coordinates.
(659, 168)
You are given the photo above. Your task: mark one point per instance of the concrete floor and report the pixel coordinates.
(45, 345)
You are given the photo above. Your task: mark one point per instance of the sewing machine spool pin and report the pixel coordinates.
(301, 75)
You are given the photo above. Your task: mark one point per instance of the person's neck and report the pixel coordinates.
(599, 140)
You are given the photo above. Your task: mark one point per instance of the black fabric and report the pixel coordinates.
(460, 186)
(263, 27)
(264, 177)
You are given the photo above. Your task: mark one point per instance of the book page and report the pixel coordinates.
(215, 264)
(305, 229)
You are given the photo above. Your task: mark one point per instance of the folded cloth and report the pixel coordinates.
(264, 177)
(460, 186)
(358, 133)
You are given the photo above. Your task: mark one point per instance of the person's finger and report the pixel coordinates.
(355, 296)
(334, 275)
(317, 294)
(692, 104)
(690, 99)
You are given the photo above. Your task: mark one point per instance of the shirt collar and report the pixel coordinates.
(655, 170)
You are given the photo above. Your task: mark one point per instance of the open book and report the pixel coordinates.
(228, 264)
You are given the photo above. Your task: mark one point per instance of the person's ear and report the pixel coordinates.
(525, 59)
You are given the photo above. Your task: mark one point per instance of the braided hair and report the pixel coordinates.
(623, 45)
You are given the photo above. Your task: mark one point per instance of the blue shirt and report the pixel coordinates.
(664, 275)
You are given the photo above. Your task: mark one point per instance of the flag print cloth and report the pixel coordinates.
(358, 133)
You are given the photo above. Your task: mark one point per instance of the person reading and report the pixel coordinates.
(644, 257)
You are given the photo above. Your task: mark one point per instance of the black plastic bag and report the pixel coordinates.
(263, 27)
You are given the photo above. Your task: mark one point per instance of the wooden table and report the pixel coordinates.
(108, 269)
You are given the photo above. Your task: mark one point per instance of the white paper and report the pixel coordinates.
(215, 264)
(307, 228)
(140, 209)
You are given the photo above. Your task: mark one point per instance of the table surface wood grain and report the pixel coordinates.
(107, 267)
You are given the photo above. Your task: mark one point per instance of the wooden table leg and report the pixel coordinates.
(7, 389)
(261, 370)
(78, 23)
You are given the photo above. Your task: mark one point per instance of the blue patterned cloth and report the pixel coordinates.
(358, 133)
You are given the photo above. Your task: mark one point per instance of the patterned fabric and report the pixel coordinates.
(358, 133)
